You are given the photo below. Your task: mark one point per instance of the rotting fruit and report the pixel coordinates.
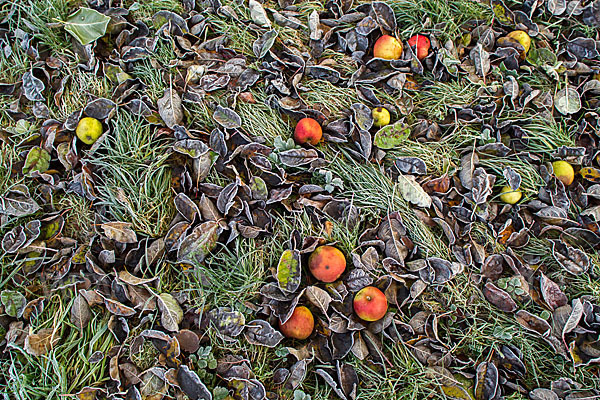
(388, 48)
(300, 325)
(522, 37)
(327, 263)
(308, 130)
(370, 304)
(89, 130)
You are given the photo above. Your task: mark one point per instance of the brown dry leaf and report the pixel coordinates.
(120, 232)
(39, 344)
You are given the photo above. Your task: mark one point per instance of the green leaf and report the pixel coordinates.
(391, 136)
(87, 25)
(567, 101)
(288, 271)
(37, 159)
(541, 56)
(14, 303)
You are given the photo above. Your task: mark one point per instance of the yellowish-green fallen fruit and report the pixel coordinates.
(564, 172)
(521, 37)
(510, 196)
(381, 117)
(89, 130)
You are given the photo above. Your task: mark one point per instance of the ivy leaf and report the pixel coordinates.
(87, 25)
(37, 159)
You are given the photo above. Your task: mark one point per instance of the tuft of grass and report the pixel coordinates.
(544, 135)
(14, 65)
(65, 369)
(39, 14)
(439, 157)
(135, 185)
(326, 97)
(152, 77)
(260, 120)
(80, 90)
(437, 99)
(531, 180)
(442, 18)
(79, 217)
(144, 10)
(375, 192)
(406, 378)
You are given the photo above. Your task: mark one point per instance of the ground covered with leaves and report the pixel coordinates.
(156, 254)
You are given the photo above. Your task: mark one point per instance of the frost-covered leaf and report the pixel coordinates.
(289, 271)
(413, 192)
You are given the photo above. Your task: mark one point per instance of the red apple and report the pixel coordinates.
(388, 48)
(308, 131)
(300, 325)
(370, 304)
(421, 44)
(327, 263)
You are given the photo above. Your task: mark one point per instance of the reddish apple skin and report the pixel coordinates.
(308, 131)
(327, 263)
(388, 48)
(421, 44)
(300, 325)
(370, 304)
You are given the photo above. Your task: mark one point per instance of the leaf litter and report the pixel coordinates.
(188, 244)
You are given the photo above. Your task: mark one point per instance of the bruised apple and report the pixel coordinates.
(421, 44)
(388, 48)
(300, 325)
(308, 130)
(327, 263)
(370, 304)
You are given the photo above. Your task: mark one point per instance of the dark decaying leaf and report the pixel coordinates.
(533, 323)
(33, 87)
(499, 297)
(481, 60)
(170, 109)
(80, 312)
(227, 118)
(297, 157)
(574, 261)
(297, 375)
(199, 243)
(261, 333)
(551, 292)
(331, 382)
(486, 382)
(319, 298)
(348, 379)
(411, 165)
(228, 323)
(263, 44)
(191, 385)
(171, 312)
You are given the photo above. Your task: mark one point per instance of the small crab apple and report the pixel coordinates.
(308, 130)
(370, 304)
(327, 263)
(421, 44)
(388, 48)
(300, 325)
